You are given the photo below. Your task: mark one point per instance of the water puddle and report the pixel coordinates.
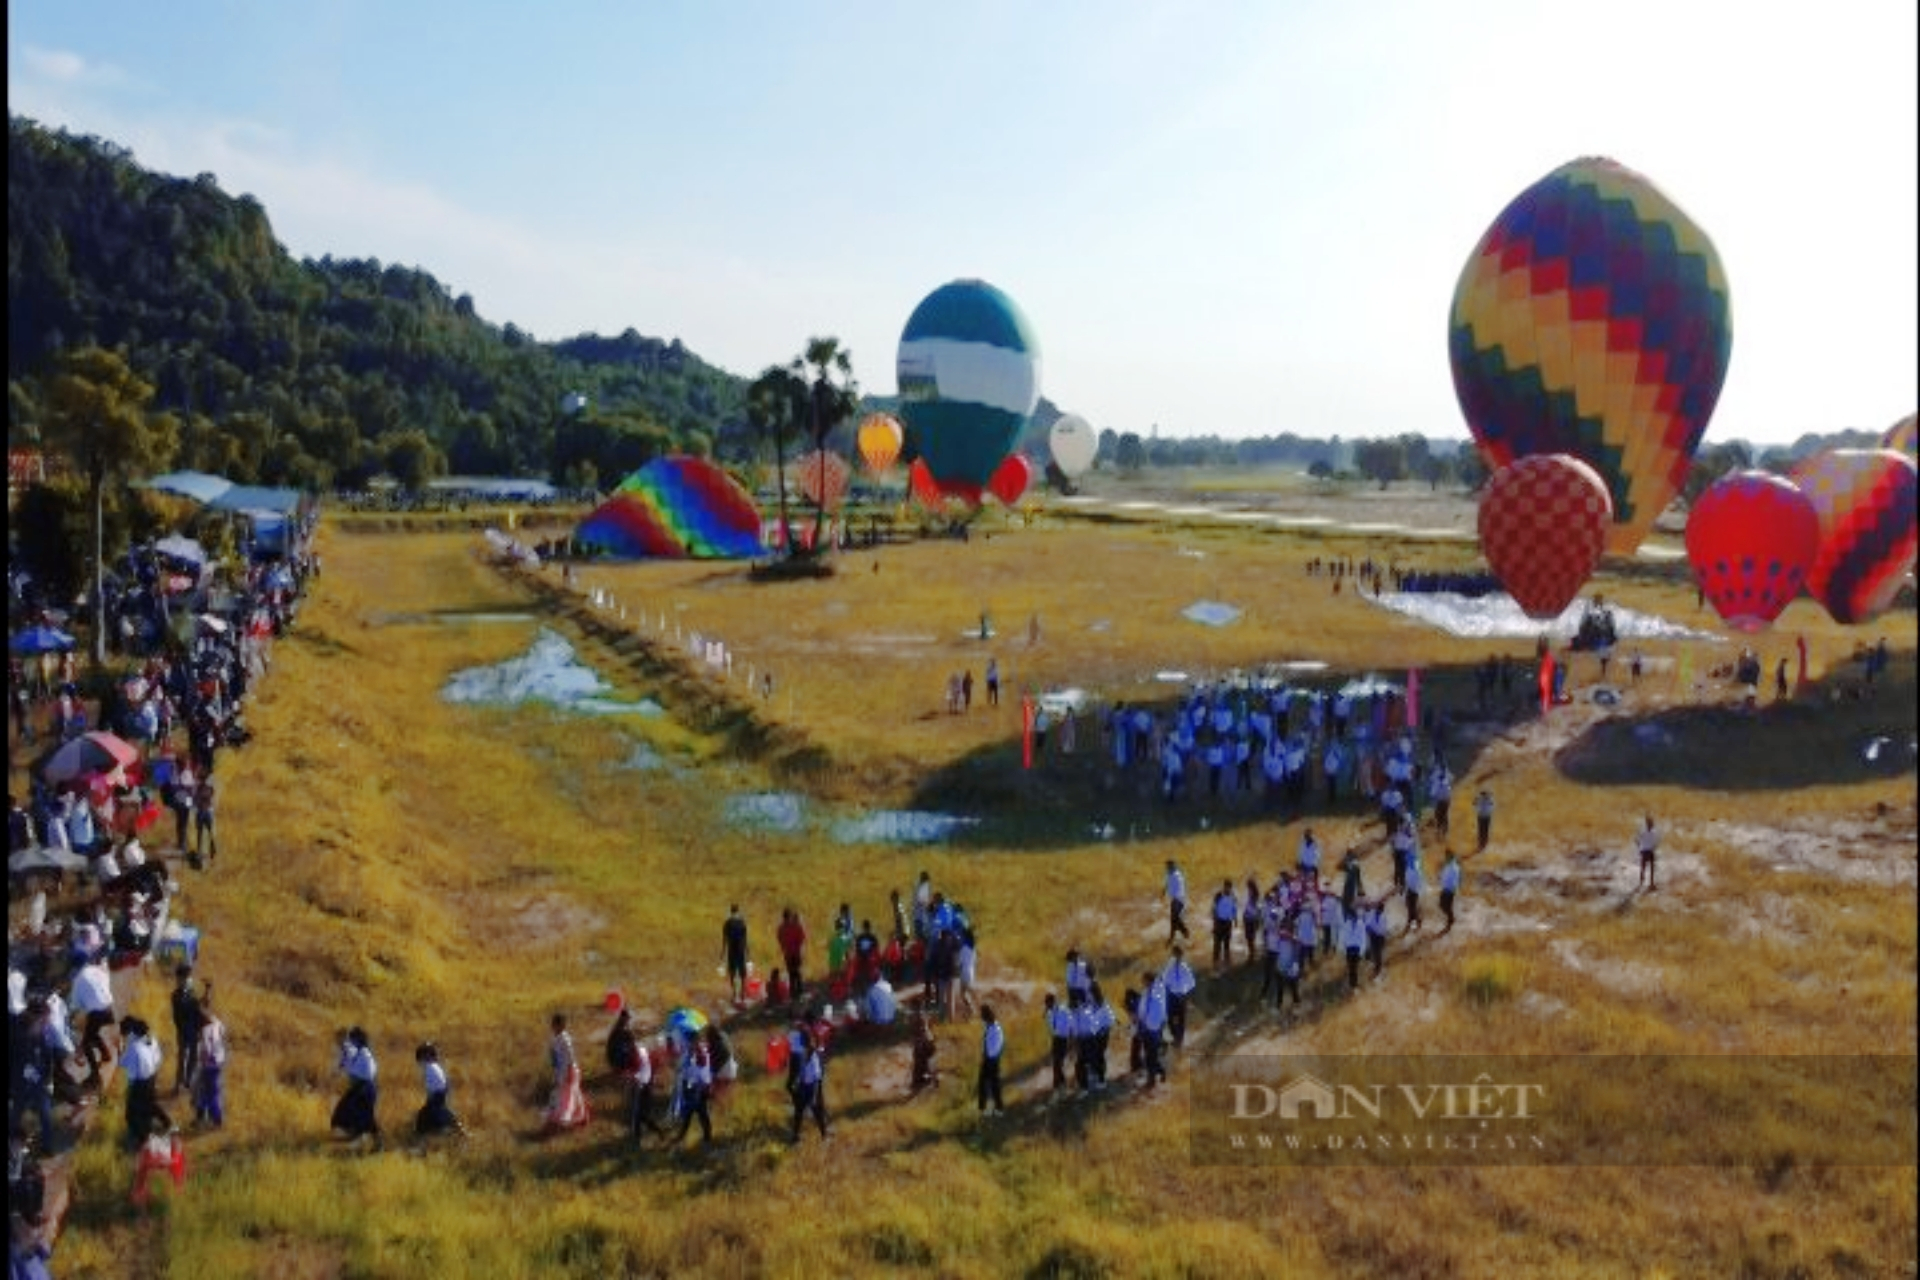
(549, 672)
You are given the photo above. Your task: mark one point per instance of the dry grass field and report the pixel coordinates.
(458, 873)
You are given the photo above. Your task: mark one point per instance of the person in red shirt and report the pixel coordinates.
(792, 937)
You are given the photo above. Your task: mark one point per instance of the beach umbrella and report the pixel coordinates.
(88, 756)
(1592, 319)
(41, 640)
(1751, 539)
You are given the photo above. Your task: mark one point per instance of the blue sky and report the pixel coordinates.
(1237, 218)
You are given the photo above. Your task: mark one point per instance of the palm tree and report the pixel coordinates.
(832, 398)
(776, 406)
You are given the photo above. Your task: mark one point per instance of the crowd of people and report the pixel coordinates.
(185, 660)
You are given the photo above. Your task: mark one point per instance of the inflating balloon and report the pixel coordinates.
(1866, 501)
(920, 482)
(823, 478)
(1011, 478)
(1901, 437)
(1592, 319)
(1543, 526)
(1072, 444)
(1751, 539)
(675, 507)
(969, 375)
(879, 440)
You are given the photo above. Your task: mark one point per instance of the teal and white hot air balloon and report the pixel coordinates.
(969, 378)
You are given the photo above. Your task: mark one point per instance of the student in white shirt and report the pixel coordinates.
(1179, 982)
(357, 1113)
(1226, 913)
(1152, 1021)
(1060, 1038)
(1648, 843)
(993, 1044)
(1353, 939)
(882, 1008)
(810, 1097)
(435, 1116)
(210, 1065)
(93, 998)
(141, 1059)
(1176, 896)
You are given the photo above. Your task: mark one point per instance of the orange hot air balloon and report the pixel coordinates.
(823, 478)
(1011, 478)
(1751, 539)
(1543, 526)
(879, 440)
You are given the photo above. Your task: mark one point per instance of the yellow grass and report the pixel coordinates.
(458, 874)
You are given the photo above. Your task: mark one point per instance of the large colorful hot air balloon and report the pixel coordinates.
(823, 478)
(969, 375)
(1592, 319)
(1011, 478)
(1751, 539)
(1543, 526)
(924, 488)
(1072, 444)
(1867, 501)
(880, 439)
(674, 508)
(1901, 437)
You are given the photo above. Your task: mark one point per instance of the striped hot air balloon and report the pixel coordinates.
(1901, 437)
(969, 377)
(1593, 319)
(1866, 500)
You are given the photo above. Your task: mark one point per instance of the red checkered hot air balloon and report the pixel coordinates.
(1011, 478)
(1866, 501)
(1543, 526)
(1751, 539)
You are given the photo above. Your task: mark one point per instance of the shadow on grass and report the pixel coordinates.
(1816, 739)
(320, 642)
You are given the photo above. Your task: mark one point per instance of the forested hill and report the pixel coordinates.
(314, 373)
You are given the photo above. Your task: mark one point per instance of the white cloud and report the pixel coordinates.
(61, 66)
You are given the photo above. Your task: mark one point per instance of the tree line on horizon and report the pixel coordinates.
(321, 374)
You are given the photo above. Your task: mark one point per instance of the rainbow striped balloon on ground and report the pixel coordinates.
(969, 377)
(675, 508)
(1868, 501)
(1592, 319)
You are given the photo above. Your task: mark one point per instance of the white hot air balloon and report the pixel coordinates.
(1072, 444)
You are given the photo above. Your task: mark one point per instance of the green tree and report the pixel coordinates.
(411, 459)
(832, 397)
(1381, 460)
(777, 405)
(1130, 453)
(96, 414)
